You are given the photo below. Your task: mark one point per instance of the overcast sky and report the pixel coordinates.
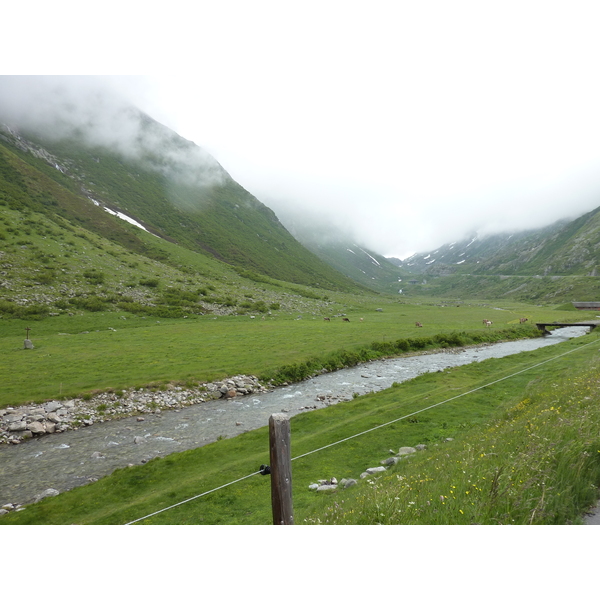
(410, 124)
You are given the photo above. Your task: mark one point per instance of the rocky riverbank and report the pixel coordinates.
(19, 424)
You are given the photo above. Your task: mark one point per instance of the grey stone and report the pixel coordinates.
(392, 460)
(52, 407)
(13, 417)
(406, 450)
(27, 345)
(326, 488)
(17, 426)
(36, 427)
(373, 470)
(46, 494)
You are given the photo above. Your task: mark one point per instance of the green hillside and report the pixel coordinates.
(165, 183)
(558, 263)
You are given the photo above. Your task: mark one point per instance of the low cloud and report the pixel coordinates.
(93, 110)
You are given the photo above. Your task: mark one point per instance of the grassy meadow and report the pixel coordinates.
(522, 450)
(94, 351)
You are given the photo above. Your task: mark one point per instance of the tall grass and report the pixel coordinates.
(538, 462)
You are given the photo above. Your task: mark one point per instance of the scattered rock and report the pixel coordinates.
(17, 424)
(326, 488)
(406, 450)
(373, 470)
(46, 494)
(36, 427)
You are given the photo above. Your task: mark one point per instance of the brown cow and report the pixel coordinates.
(487, 322)
(346, 319)
(326, 319)
(522, 320)
(418, 324)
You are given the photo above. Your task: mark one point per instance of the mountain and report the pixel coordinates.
(560, 261)
(339, 250)
(150, 177)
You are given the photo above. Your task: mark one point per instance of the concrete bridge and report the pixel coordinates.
(590, 324)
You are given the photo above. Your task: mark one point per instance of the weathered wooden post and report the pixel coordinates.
(281, 469)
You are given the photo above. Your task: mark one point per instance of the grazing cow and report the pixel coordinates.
(326, 319)
(487, 322)
(346, 319)
(361, 319)
(522, 320)
(418, 324)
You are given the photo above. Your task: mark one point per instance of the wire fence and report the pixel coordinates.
(386, 424)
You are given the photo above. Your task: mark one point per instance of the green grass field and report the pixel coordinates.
(525, 450)
(82, 353)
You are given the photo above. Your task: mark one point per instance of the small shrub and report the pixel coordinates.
(151, 283)
(95, 277)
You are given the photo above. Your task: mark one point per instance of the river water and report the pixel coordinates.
(67, 460)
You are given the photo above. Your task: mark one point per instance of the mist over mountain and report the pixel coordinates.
(559, 261)
(110, 156)
(342, 250)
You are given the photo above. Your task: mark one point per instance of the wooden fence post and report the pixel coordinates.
(281, 469)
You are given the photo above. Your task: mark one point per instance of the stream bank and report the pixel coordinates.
(76, 457)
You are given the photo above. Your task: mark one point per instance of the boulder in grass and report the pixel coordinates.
(373, 470)
(406, 450)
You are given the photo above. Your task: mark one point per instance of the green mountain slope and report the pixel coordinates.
(338, 249)
(163, 182)
(558, 262)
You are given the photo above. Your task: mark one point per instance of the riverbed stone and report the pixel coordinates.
(46, 494)
(17, 426)
(36, 427)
